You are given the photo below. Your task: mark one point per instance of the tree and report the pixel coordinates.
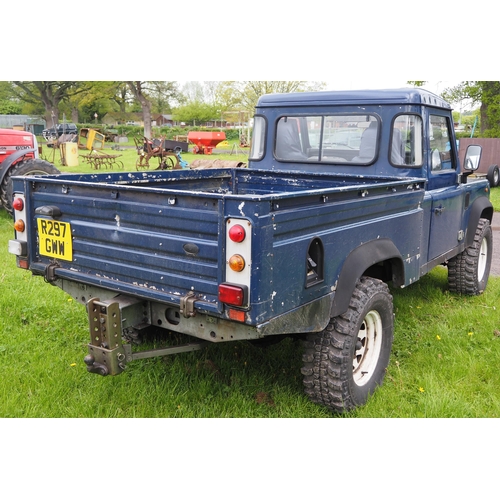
(230, 100)
(147, 92)
(485, 94)
(50, 94)
(196, 111)
(245, 94)
(8, 104)
(10, 108)
(204, 101)
(193, 92)
(162, 95)
(101, 98)
(490, 109)
(120, 95)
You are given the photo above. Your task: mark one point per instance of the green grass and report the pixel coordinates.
(444, 361)
(127, 154)
(495, 198)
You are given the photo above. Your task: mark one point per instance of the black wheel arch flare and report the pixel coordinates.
(362, 261)
(481, 208)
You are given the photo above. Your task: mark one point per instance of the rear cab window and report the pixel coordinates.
(333, 138)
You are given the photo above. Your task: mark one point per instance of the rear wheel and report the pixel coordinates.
(346, 362)
(29, 167)
(468, 272)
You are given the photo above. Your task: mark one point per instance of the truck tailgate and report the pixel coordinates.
(154, 245)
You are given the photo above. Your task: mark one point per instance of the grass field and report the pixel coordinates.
(127, 155)
(444, 361)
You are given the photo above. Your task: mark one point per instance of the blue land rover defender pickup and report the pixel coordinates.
(344, 193)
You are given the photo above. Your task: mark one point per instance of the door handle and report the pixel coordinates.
(439, 210)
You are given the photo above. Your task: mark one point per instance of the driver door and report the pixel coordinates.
(447, 200)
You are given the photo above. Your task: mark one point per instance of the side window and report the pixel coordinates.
(258, 138)
(406, 141)
(441, 155)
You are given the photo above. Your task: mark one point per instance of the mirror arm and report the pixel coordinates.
(464, 176)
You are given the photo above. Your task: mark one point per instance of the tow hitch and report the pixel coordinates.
(108, 355)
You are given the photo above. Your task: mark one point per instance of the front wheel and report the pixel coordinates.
(468, 272)
(347, 361)
(29, 167)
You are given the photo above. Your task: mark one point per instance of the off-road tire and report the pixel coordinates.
(493, 176)
(347, 361)
(468, 272)
(29, 167)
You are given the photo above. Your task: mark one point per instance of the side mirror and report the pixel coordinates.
(472, 158)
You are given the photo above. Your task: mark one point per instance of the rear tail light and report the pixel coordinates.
(235, 289)
(237, 233)
(233, 295)
(19, 246)
(18, 204)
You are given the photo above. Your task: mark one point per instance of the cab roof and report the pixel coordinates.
(356, 97)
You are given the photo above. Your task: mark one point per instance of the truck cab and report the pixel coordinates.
(402, 133)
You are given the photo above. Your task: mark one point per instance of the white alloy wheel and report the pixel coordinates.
(368, 347)
(483, 259)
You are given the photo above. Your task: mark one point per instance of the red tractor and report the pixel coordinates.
(19, 155)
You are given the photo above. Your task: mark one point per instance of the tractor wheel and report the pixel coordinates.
(29, 167)
(346, 362)
(468, 272)
(493, 176)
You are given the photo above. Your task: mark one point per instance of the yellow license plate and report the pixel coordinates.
(55, 239)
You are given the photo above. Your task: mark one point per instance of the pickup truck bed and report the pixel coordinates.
(160, 235)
